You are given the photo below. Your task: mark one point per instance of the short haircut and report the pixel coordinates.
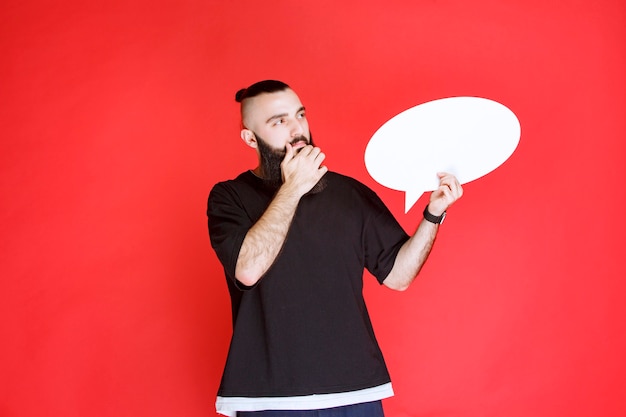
(266, 86)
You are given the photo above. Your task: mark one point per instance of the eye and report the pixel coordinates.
(301, 115)
(279, 121)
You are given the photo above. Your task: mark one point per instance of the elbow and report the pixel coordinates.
(247, 277)
(247, 280)
(398, 287)
(396, 284)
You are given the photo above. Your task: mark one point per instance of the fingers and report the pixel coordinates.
(450, 185)
(446, 194)
(289, 153)
(311, 154)
(319, 156)
(302, 168)
(305, 156)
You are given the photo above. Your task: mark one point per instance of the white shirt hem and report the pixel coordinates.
(229, 406)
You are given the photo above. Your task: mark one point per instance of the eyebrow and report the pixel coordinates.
(278, 116)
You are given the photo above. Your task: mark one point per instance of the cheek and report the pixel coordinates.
(277, 138)
(305, 127)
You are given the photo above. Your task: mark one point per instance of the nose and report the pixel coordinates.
(297, 128)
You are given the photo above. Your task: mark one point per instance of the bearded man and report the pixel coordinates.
(294, 240)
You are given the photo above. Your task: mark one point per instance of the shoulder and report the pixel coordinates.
(243, 182)
(244, 195)
(232, 190)
(243, 179)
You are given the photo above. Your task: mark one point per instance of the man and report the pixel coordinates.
(294, 240)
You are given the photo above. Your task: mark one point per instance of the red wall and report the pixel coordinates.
(118, 117)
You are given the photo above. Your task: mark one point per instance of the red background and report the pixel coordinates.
(117, 118)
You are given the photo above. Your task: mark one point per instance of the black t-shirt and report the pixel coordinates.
(304, 328)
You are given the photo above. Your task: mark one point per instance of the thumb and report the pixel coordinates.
(288, 152)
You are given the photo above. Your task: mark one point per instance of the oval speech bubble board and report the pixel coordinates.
(465, 136)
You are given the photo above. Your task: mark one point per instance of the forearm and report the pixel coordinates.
(415, 251)
(412, 256)
(266, 237)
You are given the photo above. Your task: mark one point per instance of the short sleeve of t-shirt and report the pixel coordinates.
(382, 238)
(232, 209)
(228, 225)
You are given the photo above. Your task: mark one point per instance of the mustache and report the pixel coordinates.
(300, 138)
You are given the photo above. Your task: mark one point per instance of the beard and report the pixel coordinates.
(271, 158)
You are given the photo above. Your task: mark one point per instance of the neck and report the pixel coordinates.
(258, 171)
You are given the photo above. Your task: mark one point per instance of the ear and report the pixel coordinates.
(249, 138)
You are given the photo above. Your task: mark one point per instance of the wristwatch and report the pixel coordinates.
(432, 218)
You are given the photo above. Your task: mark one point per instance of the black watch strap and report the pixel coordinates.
(432, 218)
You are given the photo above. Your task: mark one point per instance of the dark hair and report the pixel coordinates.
(266, 86)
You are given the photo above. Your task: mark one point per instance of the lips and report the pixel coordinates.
(299, 143)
